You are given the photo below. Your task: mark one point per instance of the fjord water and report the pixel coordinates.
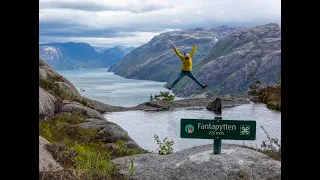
(142, 126)
(104, 86)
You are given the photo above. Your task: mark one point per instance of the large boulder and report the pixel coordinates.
(234, 162)
(69, 89)
(108, 131)
(156, 106)
(93, 123)
(45, 71)
(46, 161)
(46, 104)
(71, 107)
(102, 108)
(112, 132)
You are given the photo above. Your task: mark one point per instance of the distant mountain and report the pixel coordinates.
(224, 59)
(129, 49)
(115, 53)
(99, 49)
(80, 55)
(124, 48)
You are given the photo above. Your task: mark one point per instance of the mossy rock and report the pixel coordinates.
(274, 106)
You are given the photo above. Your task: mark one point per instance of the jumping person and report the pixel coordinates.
(186, 67)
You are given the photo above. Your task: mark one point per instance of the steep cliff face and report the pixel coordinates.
(228, 67)
(157, 61)
(224, 59)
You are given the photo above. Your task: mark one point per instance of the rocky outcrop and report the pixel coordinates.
(270, 95)
(192, 103)
(113, 132)
(102, 108)
(46, 104)
(46, 161)
(46, 71)
(75, 107)
(234, 162)
(69, 89)
(109, 132)
(94, 123)
(50, 105)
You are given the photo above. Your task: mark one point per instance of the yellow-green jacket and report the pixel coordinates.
(186, 64)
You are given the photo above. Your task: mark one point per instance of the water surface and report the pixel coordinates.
(142, 126)
(104, 86)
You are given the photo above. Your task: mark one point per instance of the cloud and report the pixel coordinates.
(106, 5)
(121, 39)
(176, 21)
(107, 19)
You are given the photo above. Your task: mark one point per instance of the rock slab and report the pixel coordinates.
(46, 161)
(234, 162)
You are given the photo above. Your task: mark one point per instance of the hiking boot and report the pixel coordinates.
(204, 86)
(169, 87)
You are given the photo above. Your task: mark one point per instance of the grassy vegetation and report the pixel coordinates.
(79, 150)
(165, 147)
(48, 83)
(62, 174)
(274, 106)
(270, 147)
(163, 96)
(131, 166)
(59, 127)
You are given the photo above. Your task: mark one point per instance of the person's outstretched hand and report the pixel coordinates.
(172, 45)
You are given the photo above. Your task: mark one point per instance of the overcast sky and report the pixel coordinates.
(108, 23)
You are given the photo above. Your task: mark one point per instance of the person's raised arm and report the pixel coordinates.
(193, 50)
(177, 52)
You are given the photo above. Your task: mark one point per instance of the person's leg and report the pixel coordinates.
(178, 79)
(190, 74)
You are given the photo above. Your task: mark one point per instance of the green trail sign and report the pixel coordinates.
(218, 129)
